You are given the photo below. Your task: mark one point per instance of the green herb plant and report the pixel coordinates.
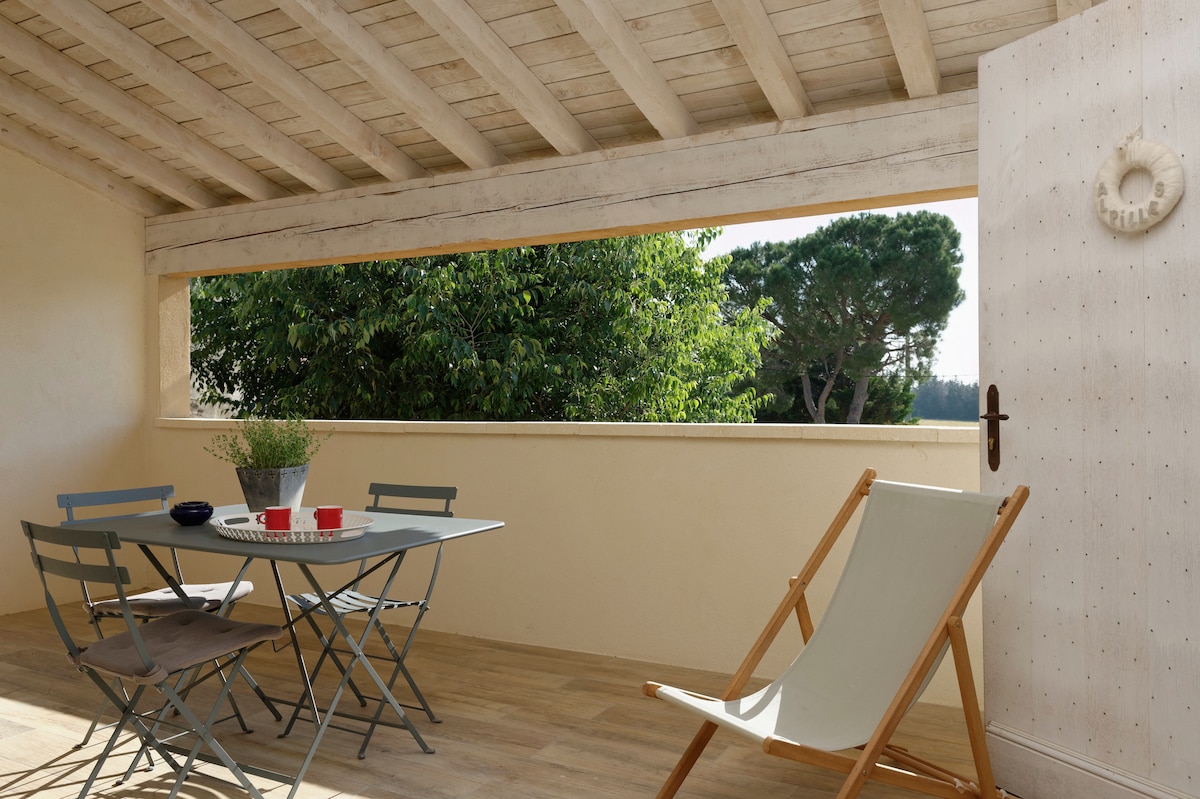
(266, 444)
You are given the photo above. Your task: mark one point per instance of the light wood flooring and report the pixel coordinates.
(518, 722)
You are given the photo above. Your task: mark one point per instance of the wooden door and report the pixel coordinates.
(1092, 337)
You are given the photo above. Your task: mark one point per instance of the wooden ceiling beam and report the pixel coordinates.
(607, 33)
(763, 50)
(909, 32)
(1069, 8)
(42, 111)
(473, 39)
(121, 45)
(74, 166)
(331, 25)
(203, 22)
(892, 154)
(94, 91)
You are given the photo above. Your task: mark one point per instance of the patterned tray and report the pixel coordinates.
(243, 527)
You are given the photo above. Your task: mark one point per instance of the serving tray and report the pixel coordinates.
(243, 527)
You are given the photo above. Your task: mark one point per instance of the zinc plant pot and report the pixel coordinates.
(264, 487)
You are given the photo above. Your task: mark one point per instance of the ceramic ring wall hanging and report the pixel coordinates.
(1166, 175)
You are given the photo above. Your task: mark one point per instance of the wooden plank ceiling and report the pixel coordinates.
(178, 105)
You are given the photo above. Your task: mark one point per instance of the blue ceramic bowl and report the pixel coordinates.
(191, 513)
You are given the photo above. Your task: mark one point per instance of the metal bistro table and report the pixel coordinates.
(389, 537)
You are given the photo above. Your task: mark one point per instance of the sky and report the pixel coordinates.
(958, 350)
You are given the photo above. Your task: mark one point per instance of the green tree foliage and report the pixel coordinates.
(948, 400)
(864, 296)
(616, 329)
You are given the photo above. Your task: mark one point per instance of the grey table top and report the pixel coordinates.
(388, 533)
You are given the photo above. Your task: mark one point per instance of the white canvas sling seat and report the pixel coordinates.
(917, 558)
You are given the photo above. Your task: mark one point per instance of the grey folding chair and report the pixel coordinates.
(158, 602)
(172, 654)
(417, 500)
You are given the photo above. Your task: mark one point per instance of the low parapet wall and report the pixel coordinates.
(668, 543)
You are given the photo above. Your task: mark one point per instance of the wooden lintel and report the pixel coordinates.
(906, 152)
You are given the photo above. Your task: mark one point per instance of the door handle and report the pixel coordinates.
(993, 417)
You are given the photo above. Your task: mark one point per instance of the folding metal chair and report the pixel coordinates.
(421, 501)
(158, 602)
(172, 654)
(919, 555)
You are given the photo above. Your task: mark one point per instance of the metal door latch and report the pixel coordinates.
(993, 417)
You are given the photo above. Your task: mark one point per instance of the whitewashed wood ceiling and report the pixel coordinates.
(171, 105)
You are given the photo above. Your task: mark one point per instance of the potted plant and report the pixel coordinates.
(272, 459)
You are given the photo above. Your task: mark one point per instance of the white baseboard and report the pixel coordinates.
(1033, 768)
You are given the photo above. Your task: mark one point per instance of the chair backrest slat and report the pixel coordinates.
(121, 496)
(108, 573)
(85, 572)
(443, 494)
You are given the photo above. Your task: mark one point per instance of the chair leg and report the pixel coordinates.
(327, 652)
(185, 683)
(395, 705)
(398, 657)
(95, 725)
(204, 735)
(186, 680)
(126, 705)
(689, 758)
(412, 685)
(233, 705)
(87, 737)
(262, 696)
(398, 669)
(396, 672)
(974, 718)
(118, 728)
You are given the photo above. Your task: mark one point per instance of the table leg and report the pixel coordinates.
(290, 626)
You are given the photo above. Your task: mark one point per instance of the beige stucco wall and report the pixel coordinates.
(74, 332)
(669, 543)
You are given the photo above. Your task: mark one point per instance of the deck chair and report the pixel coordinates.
(171, 654)
(420, 501)
(158, 602)
(917, 558)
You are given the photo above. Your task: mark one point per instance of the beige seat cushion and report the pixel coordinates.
(175, 642)
(164, 601)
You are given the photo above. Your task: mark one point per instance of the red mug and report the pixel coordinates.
(276, 517)
(329, 517)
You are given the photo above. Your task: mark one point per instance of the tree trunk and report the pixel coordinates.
(859, 400)
(818, 416)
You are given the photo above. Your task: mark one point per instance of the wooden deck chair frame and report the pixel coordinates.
(905, 769)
